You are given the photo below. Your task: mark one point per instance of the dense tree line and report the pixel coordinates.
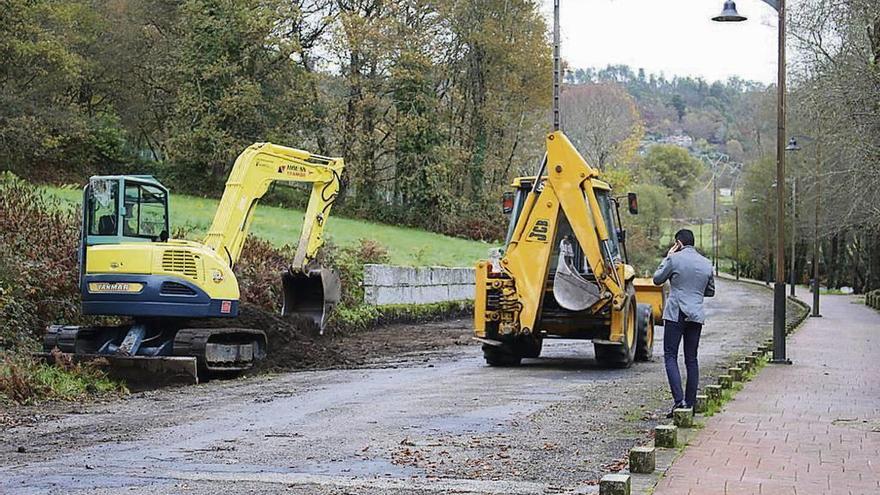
(434, 104)
(733, 116)
(833, 112)
(836, 107)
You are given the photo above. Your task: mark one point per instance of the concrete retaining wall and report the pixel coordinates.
(385, 284)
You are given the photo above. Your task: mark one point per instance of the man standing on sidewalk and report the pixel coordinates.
(690, 277)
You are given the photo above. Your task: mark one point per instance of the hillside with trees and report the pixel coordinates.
(432, 104)
(436, 105)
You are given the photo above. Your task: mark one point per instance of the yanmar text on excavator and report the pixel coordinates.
(564, 270)
(129, 267)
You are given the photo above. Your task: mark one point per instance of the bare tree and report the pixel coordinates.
(602, 122)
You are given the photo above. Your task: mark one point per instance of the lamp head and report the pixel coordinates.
(792, 145)
(729, 13)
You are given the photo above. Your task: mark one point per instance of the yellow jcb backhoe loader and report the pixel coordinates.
(130, 267)
(563, 272)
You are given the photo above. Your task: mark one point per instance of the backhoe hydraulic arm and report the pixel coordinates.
(565, 186)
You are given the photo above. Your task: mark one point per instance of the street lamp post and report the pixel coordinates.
(729, 14)
(557, 68)
(816, 313)
(767, 256)
(715, 222)
(714, 161)
(793, 146)
(736, 229)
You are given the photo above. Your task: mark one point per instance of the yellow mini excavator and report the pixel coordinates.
(130, 267)
(563, 272)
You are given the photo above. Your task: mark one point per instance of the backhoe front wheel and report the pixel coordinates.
(621, 355)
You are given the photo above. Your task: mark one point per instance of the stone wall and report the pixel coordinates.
(386, 284)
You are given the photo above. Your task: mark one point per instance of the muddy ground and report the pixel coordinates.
(415, 410)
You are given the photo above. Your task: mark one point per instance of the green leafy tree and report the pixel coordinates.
(53, 111)
(678, 104)
(674, 168)
(233, 82)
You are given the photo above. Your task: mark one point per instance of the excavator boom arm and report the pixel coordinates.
(255, 169)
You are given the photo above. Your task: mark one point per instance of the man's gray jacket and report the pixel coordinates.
(690, 277)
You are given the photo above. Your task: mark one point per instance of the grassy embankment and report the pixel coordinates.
(280, 226)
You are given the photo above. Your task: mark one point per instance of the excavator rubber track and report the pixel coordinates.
(221, 349)
(196, 353)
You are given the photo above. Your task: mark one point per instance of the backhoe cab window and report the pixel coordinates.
(607, 207)
(145, 211)
(103, 204)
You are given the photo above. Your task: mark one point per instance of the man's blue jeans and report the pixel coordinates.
(673, 333)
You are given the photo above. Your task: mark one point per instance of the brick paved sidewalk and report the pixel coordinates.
(809, 428)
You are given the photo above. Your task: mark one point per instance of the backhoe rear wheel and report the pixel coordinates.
(645, 329)
(502, 355)
(620, 355)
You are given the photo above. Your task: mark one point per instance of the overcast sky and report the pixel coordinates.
(675, 37)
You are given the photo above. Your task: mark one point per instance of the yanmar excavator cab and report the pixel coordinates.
(563, 272)
(130, 267)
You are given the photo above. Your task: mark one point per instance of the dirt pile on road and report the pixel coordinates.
(293, 342)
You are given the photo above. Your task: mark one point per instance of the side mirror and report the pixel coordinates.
(621, 236)
(632, 200)
(507, 202)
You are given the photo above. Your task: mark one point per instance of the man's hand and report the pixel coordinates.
(674, 249)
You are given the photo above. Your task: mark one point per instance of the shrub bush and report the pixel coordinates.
(39, 240)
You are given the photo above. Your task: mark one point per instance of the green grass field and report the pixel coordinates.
(281, 226)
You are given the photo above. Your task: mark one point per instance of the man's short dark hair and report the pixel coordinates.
(685, 236)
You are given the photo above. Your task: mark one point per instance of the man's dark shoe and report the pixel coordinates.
(674, 407)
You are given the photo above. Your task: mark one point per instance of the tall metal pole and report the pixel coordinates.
(557, 67)
(779, 285)
(816, 313)
(736, 249)
(791, 276)
(715, 219)
(701, 235)
(769, 257)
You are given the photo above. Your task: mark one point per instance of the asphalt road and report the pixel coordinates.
(435, 422)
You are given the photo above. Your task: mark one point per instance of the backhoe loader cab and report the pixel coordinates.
(610, 209)
(563, 272)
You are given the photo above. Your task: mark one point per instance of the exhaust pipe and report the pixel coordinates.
(311, 294)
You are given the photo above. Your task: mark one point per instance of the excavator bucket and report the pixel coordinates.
(311, 294)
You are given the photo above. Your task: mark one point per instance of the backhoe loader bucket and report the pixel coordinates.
(570, 289)
(311, 294)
